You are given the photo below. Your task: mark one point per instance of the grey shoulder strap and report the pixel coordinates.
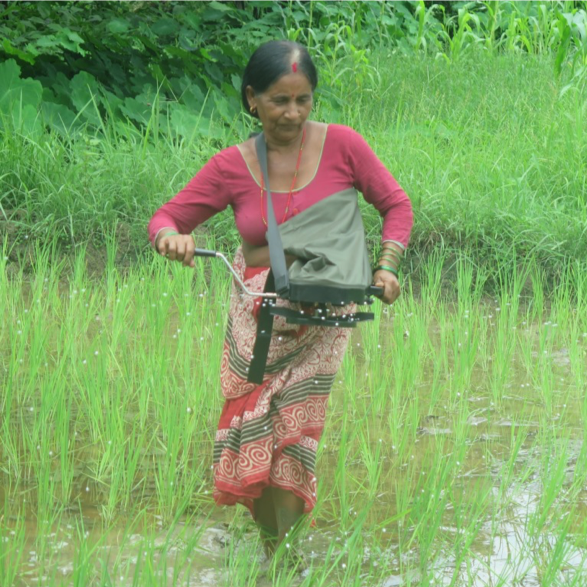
(276, 253)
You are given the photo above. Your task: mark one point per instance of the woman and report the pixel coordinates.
(268, 434)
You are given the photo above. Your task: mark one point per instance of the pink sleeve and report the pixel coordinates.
(380, 189)
(204, 196)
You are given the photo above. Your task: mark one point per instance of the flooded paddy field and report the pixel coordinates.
(453, 452)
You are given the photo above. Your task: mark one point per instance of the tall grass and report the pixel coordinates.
(490, 150)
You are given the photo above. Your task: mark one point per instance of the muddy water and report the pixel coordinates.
(195, 553)
(198, 551)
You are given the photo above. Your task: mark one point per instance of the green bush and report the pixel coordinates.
(182, 60)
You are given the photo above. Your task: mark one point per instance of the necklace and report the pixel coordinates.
(293, 183)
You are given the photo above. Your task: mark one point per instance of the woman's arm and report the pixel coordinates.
(171, 226)
(380, 189)
(386, 271)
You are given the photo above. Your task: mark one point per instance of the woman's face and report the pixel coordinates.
(283, 107)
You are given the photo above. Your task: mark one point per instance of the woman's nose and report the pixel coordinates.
(292, 110)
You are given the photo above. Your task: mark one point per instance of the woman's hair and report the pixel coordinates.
(273, 60)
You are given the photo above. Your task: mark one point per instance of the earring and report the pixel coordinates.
(253, 109)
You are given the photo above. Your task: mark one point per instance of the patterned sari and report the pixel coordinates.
(268, 434)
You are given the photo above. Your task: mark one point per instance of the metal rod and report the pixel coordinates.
(262, 294)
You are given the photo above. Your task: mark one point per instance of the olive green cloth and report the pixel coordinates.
(328, 240)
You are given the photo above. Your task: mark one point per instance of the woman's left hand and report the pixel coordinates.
(390, 284)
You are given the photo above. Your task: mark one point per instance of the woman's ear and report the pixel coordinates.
(250, 93)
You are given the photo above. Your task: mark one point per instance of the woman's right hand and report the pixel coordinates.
(177, 247)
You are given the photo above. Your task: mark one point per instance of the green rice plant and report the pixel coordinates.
(341, 505)
(342, 560)
(12, 543)
(553, 558)
(242, 565)
(371, 453)
(553, 466)
(418, 450)
(429, 503)
(468, 521)
(505, 341)
(510, 474)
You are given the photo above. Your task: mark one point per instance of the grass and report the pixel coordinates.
(490, 148)
(454, 431)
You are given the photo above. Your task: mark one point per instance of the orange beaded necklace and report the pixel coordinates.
(293, 183)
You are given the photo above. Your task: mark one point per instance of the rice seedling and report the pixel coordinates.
(144, 420)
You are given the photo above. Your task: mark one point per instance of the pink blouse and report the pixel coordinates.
(346, 161)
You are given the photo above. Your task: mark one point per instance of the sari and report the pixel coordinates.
(268, 434)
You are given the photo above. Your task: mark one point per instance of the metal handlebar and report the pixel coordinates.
(207, 253)
(374, 290)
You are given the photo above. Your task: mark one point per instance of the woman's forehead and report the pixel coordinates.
(291, 83)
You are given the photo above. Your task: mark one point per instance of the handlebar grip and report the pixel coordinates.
(373, 290)
(204, 253)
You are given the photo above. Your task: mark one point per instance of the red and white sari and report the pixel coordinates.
(268, 434)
